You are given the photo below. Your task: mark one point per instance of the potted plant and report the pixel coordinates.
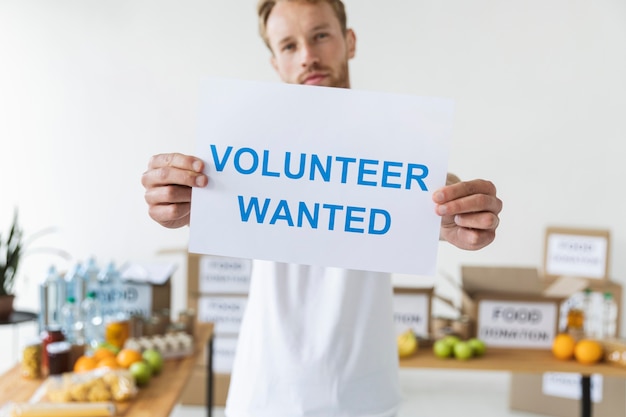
(11, 251)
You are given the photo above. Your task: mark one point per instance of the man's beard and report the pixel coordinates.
(340, 79)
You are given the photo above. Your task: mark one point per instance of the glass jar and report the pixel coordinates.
(151, 326)
(31, 360)
(116, 332)
(50, 335)
(59, 357)
(188, 318)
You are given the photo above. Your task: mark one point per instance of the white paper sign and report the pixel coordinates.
(224, 354)
(133, 298)
(577, 255)
(224, 275)
(225, 312)
(568, 385)
(320, 176)
(410, 311)
(517, 324)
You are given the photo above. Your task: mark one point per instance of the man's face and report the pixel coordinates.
(308, 44)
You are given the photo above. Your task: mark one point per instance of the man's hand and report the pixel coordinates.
(168, 183)
(469, 213)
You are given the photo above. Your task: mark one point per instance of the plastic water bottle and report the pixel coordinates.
(51, 299)
(588, 314)
(73, 283)
(89, 275)
(609, 316)
(111, 291)
(72, 322)
(93, 320)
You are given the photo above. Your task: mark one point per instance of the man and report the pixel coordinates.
(316, 341)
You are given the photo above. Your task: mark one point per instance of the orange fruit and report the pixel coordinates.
(84, 364)
(127, 357)
(563, 346)
(108, 362)
(101, 353)
(588, 351)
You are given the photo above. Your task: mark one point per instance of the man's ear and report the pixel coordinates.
(351, 41)
(273, 62)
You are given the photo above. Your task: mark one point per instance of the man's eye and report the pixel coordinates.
(320, 36)
(289, 47)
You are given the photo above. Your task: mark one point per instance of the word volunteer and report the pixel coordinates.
(312, 167)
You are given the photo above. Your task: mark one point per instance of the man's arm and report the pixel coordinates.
(168, 183)
(469, 212)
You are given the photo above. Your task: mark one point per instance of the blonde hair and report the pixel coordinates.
(265, 7)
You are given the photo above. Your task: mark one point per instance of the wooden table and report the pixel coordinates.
(157, 399)
(523, 361)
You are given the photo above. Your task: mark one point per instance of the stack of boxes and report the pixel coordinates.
(576, 265)
(218, 291)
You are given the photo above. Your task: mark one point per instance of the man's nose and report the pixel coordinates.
(308, 55)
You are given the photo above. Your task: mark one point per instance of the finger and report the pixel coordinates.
(178, 160)
(171, 194)
(477, 221)
(168, 175)
(170, 215)
(473, 239)
(470, 204)
(463, 189)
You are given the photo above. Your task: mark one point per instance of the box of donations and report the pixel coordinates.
(217, 289)
(412, 310)
(509, 308)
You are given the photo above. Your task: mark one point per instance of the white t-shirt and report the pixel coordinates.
(315, 341)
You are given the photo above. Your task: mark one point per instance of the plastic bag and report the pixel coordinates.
(99, 385)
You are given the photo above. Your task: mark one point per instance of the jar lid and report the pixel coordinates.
(34, 341)
(53, 328)
(59, 347)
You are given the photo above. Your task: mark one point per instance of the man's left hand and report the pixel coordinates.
(469, 213)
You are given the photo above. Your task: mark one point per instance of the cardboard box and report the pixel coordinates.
(577, 253)
(411, 310)
(224, 348)
(528, 392)
(208, 274)
(146, 287)
(224, 311)
(508, 307)
(217, 289)
(196, 388)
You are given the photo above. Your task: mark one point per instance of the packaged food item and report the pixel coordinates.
(59, 357)
(116, 332)
(51, 334)
(103, 409)
(188, 320)
(102, 384)
(615, 351)
(31, 360)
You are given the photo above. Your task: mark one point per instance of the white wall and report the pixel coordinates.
(90, 89)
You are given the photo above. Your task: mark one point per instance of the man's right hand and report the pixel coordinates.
(168, 183)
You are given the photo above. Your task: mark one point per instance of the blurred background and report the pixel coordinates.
(89, 90)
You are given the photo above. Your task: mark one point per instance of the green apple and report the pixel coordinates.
(442, 349)
(451, 340)
(463, 350)
(478, 346)
(154, 359)
(141, 372)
